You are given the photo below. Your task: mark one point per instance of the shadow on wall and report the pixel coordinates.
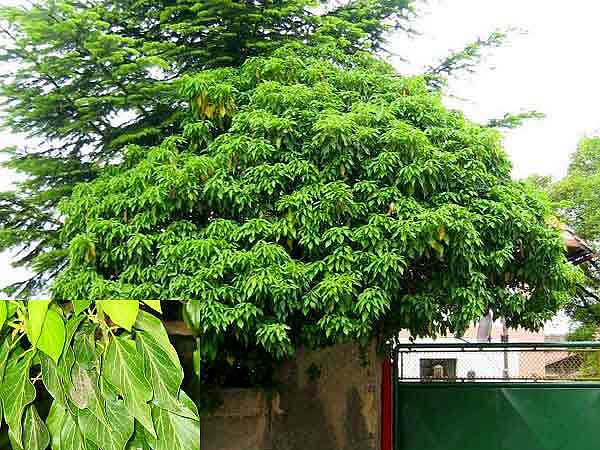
(357, 431)
(302, 422)
(329, 400)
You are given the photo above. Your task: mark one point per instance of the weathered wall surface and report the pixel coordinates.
(328, 400)
(240, 423)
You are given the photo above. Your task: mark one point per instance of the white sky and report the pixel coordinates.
(552, 68)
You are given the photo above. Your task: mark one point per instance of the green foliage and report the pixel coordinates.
(255, 161)
(583, 332)
(576, 200)
(110, 388)
(326, 199)
(90, 78)
(512, 120)
(540, 183)
(578, 194)
(587, 331)
(465, 59)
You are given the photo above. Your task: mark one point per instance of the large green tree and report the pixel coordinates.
(313, 197)
(90, 77)
(256, 162)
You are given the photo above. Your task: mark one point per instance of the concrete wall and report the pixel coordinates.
(241, 422)
(328, 400)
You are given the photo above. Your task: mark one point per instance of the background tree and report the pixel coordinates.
(578, 194)
(514, 120)
(577, 198)
(464, 60)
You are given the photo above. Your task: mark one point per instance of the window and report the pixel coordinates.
(448, 368)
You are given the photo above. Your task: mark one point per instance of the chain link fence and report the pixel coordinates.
(495, 362)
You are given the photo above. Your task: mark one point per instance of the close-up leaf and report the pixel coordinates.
(17, 392)
(121, 312)
(37, 310)
(123, 367)
(36, 435)
(52, 337)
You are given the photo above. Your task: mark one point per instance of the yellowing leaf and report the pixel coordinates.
(37, 314)
(3, 313)
(80, 305)
(122, 312)
(90, 254)
(52, 337)
(441, 233)
(154, 304)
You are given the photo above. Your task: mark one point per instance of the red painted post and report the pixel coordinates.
(386, 405)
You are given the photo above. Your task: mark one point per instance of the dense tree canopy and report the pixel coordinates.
(578, 194)
(315, 197)
(92, 76)
(88, 79)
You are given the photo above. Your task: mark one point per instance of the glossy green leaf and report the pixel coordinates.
(15, 444)
(17, 392)
(138, 440)
(121, 312)
(64, 431)
(36, 435)
(71, 328)
(123, 367)
(11, 306)
(80, 305)
(112, 435)
(154, 304)
(154, 326)
(175, 432)
(87, 353)
(5, 349)
(164, 375)
(57, 378)
(37, 310)
(52, 337)
(3, 313)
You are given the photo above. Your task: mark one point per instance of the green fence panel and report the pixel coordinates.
(550, 418)
(496, 417)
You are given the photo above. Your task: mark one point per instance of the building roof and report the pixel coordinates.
(578, 251)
